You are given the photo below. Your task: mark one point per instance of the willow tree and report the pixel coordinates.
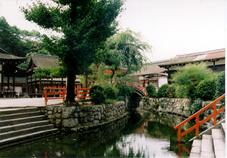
(85, 25)
(125, 50)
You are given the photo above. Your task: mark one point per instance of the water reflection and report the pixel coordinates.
(124, 138)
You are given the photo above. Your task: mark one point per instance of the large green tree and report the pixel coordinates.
(21, 42)
(85, 25)
(124, 50)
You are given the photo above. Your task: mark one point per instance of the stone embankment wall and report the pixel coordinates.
(179, 106)
(83, 117)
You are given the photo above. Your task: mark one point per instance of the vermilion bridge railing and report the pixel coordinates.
(138, 87)
(213, 106)
(51, 93)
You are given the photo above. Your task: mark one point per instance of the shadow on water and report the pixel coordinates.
(128, 137)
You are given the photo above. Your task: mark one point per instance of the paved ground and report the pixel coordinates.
(24, 102)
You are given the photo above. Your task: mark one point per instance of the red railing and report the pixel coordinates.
(138, 87)
(213, 105)
(83, 93)
(51, 93)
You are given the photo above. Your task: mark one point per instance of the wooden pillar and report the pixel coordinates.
(2, 80)
(27, 83)
(214, 65)
(8, 81)
(14, 85)
(35, 88)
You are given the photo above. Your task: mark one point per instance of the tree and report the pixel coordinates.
(220, 84)
(187, 78)
(21, 42)
(85, 25)
(206, 89)
(124, 50)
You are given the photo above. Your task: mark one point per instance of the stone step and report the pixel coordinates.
(196, 149)
(207, 150)
(22, 126)
(223, 127)
(17, 110)
(21, 120)
(27, 137)
(19, 115)
(219, 143)
(25, 131)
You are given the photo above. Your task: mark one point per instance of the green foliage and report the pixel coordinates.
(97, 95)
(163, 91)
(166, 91)
(196, 105)
(206, 89)
(171, 92)
(41, 73)
(110, 93)
(18, 42)
(85, 26)
(188, 77)
(47, 73)
(124, 90)
(220, 84)
(151, 91)
(125, 50)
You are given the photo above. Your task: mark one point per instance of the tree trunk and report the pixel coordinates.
(70, 98)
(112, 76)
(86, 80)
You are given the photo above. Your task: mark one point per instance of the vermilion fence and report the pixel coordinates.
(51, 93)
(216, 106)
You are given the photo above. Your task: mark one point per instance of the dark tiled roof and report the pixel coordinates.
(150, 69)
(4, 55)
(45, 61)
(195, 57)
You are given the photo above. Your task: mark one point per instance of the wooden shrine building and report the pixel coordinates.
(11, 77)
(214, 59)
(35, 85)
(150, 74)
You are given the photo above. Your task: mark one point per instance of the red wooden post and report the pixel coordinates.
(45, 95)
(179, 134)
(215, 114)
(197, 126)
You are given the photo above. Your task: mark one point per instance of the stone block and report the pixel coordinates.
(68, 112)
(72, 122)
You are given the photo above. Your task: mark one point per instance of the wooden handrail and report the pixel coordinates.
(196, 115)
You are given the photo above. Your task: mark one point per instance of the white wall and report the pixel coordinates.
(162, 80)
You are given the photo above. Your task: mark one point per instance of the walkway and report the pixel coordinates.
(24, 102)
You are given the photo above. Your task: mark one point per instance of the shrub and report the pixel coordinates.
(187, 78)
(151, 91)
(124, 90)
(97, 95)
(220, 88)
(109, 93)
(206, 90)
(163, 91)
(196, 105)
(171, 93)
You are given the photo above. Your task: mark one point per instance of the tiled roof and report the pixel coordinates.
(149, 69)
(4, 55)
(195, 57)
(45, 61)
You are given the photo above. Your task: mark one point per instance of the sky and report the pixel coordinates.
(171, 27)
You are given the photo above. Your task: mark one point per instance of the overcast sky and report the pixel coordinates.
(171, 27)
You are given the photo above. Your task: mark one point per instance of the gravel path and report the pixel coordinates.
(25, 102)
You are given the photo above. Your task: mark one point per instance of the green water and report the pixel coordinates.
(123, 138)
